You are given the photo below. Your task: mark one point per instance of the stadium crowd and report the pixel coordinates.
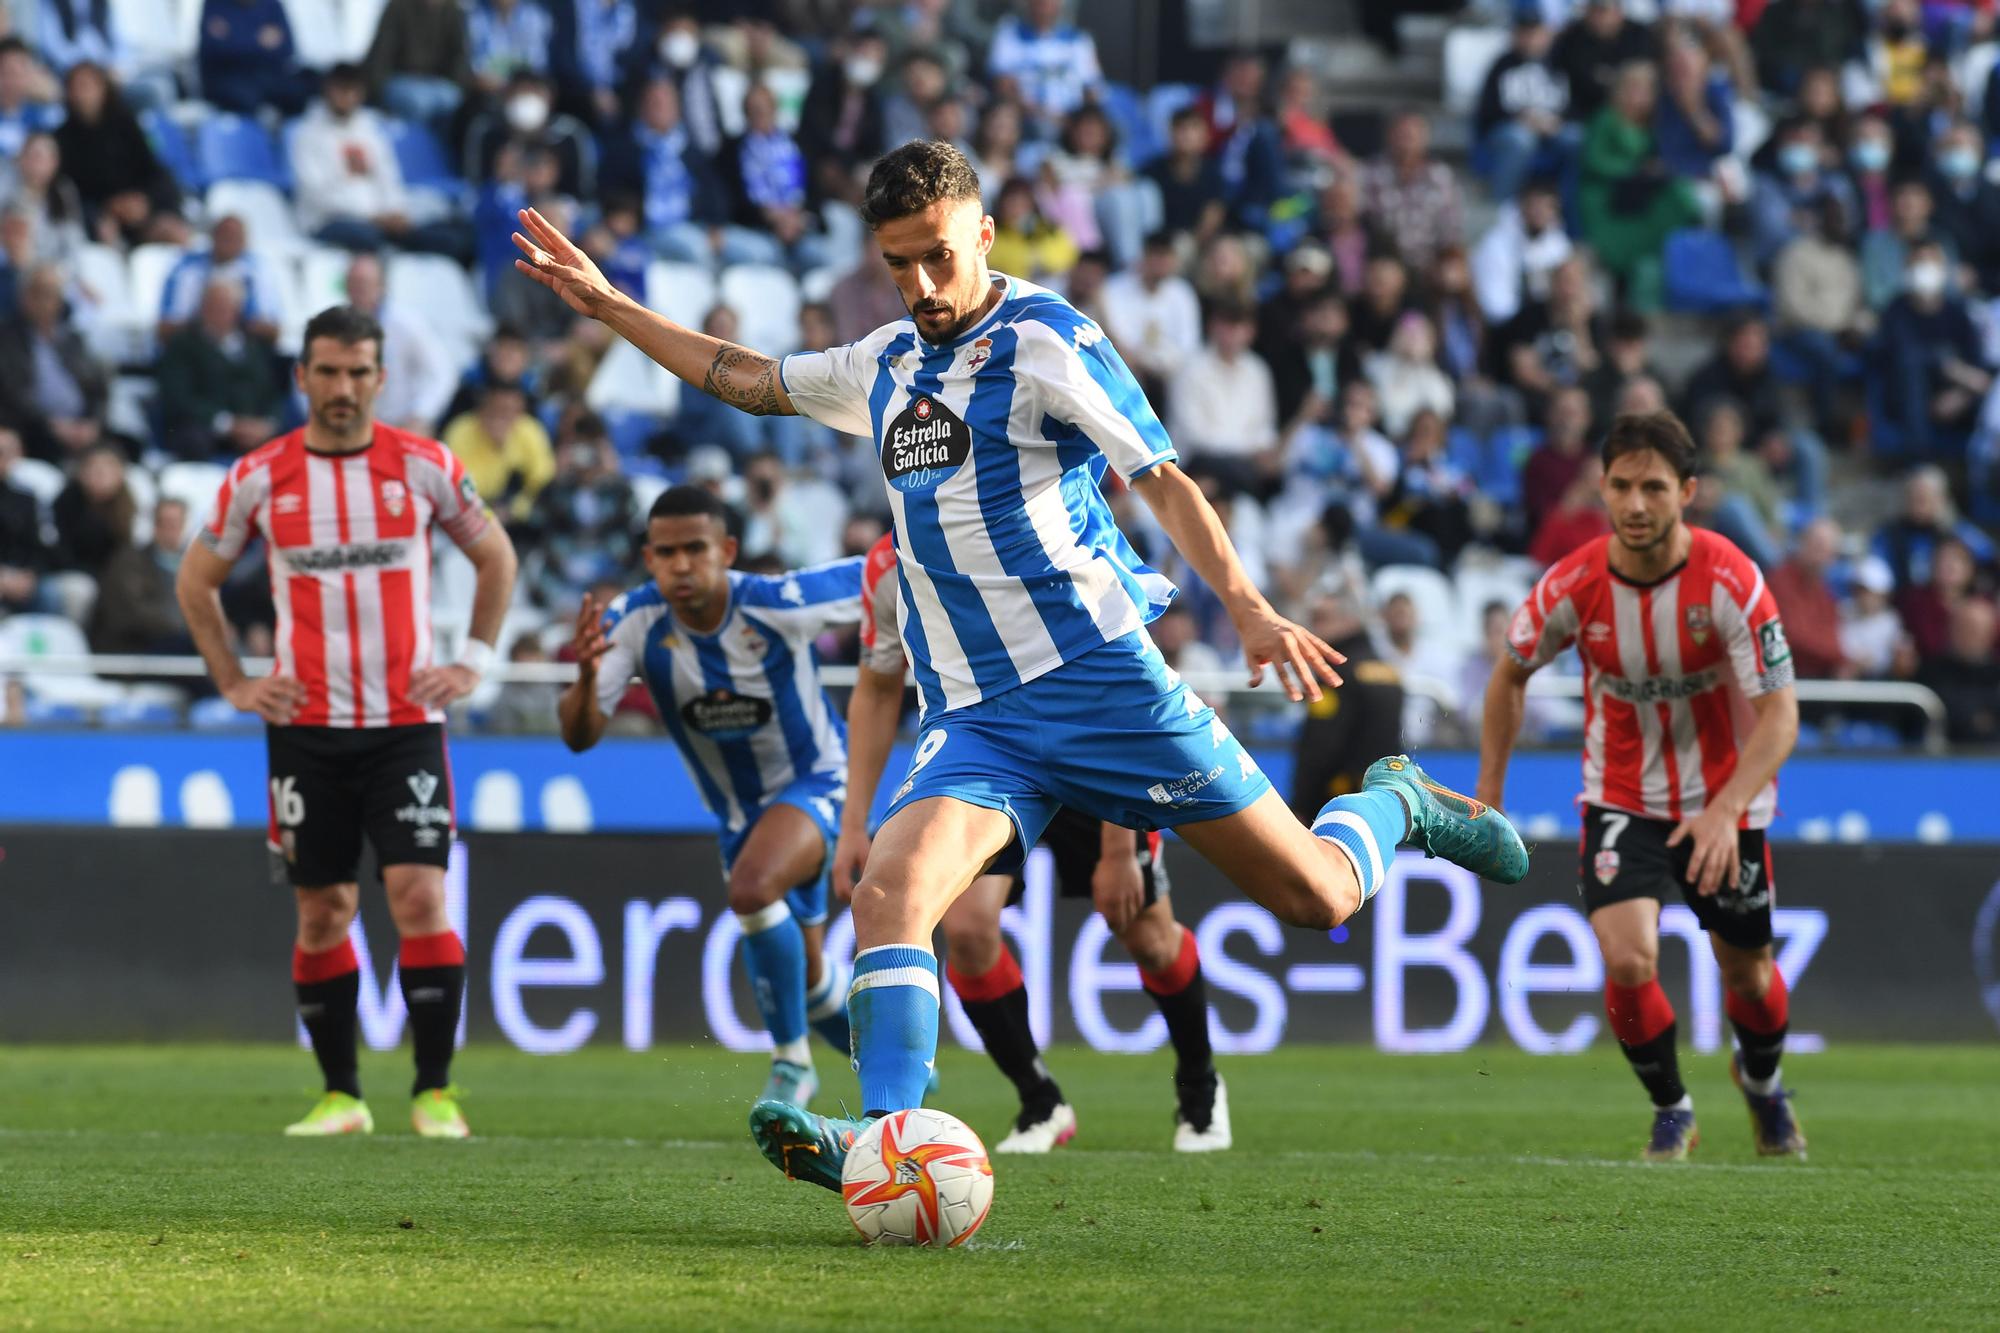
(1387, 368)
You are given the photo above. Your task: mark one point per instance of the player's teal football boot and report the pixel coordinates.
(801, 1144)
(790, 1082)
(1463, 831)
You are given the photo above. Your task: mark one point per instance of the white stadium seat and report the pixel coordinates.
(627, 380)
(113, 327)
(157, 31)
(323, 277)
(267, 216)
(149, 269)
(1478, 585)
(683, 293)
(145, 493)
(766, 301)
(32, 636)
(438, 294)
(44, 481)
(1468, 54)
(193, 484)
(358, 21)
(317, 33)
(1436, 602)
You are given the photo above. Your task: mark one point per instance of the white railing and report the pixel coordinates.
(1227, 686)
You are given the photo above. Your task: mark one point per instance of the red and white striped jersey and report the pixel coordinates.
(350, 555)
(1669, 669)
(881, 638)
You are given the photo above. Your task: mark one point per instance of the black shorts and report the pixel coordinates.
(1626, 856)
(330, 786)
(1077, 843)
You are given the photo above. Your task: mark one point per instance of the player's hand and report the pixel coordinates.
(553, 260)
(850, 855)
(589, 641)
(1715, 848)
(442, 686)
(1117, 891)
(276, 699)
(1301, 659)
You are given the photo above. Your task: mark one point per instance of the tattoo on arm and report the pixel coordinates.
(743, 379)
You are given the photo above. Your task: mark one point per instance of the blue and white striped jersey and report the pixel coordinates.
(744, 704)
(992, 448)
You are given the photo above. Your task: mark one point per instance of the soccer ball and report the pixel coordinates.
(917, 1177)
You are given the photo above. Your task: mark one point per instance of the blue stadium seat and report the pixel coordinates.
(171, 146)
(218, 714)
(1703, 276)
(238, 148)
(630, 432)
(1136, 132)
(1507, 451)
(138, 713)
(421, 157)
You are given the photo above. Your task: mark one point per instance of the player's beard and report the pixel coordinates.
(348, 427)
(1661, 536)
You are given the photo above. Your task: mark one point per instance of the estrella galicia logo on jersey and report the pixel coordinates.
(924, 445)
(725, 715)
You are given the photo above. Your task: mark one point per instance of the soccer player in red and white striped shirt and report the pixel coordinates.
(355, 704)
(1689, 710)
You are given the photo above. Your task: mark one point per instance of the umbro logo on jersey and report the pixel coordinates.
(288, 503)
(924, 445)
(1597, 631)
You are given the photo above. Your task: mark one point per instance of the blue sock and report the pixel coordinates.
(1367, 825)
(774, 954)
(894, 1009)
(826, 1006)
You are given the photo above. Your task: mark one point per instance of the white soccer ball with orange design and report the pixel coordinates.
(917, 1177)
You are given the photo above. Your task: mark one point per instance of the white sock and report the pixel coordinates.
(1686, 1103)
(796, 1051)
(1763, 1087)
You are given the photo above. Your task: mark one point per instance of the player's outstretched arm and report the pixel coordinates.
(873, 711)
(1764, 751)
(1499, 726)
(1301, 658)
(737, 375)
(581, 719)
(198, 588)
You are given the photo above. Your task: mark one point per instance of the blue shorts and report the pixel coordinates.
(1113, 733)
(819, 795)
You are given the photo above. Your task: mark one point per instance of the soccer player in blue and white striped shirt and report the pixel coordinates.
(728, 658)
(996, 408)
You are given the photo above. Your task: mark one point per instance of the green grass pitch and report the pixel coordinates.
(148, 1187)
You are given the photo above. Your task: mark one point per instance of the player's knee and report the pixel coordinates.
(1630, 967)
(751, 892)
(1153, 940)
(324, 918)
(973, 950)
(1748, 977)
(1319, 897)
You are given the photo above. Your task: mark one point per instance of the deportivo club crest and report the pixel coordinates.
(394, 497)
(1605, 867)
(1699, 623)
(982, 351)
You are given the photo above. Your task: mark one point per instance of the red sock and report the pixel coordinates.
(443, 949)
(996, 981)
(308, 968)
(1175, 976)
(1638, 1013)
(1769, 1014)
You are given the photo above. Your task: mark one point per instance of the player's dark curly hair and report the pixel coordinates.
(911, 178)
(1660, 432)
(693, 502)
(345, 325)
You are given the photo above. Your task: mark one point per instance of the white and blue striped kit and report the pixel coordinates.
(744, 704)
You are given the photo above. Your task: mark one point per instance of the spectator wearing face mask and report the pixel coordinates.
(1968, 204)
(1885, 250)
(1929, 362)
(524, 122)
(1785, 199)
(1871, 151)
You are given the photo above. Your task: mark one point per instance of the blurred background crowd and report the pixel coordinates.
(1384, 331)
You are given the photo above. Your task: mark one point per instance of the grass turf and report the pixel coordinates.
(149, 1187)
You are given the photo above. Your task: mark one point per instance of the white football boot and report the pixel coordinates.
(1051, 1131)
(1216, 1136)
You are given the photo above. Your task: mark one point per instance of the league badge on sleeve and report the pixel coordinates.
(1772, 650)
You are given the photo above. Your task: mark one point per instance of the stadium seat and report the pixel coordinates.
(682, 292)
(1478, 585)
(194, 484)
(43, 480)
(1161, 103)
(173, 147)
(138, 713)
(323, 277)
(439, 294)
(645, 490)
(108, 321)
(1136, 135)
(766, 301)
(818, 284)
(421, 158)
(1437, 603)
(130, 409)
(1703, 276)
(238, 148)
(26, 637)
(1468, 53)
(267, 215)
(156, 32)
(145, 493)
(630, 431)
(218, 714)
(148, 271)
(627, 379)
(317, 35)
(358, 21)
